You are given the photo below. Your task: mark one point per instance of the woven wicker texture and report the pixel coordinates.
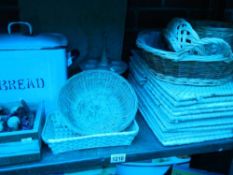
(179, 33)
(185, 124)
(194, 103)
(185, 114)
(219, 121)
(62, 139)
(180, 137)
(185, 95)
(214, 29)
(183, 68)
(199, 114)
(169, 134)
(97, 101)
(183, 38)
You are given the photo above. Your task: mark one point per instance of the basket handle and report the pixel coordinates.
(23, 23)
(199, 48)
(178, 33)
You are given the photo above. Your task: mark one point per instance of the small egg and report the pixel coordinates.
(13, 122)
(1, 126)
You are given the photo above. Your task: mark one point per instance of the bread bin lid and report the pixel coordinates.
(13, 41)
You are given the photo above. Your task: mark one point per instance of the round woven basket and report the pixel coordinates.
(217, 29)
(183, 67)
(97, 101)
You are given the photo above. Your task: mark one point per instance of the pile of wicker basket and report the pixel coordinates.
(94, 111)
(185, 92)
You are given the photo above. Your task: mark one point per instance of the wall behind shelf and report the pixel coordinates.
(9, 11)
(229, 10)
(140, 14)
(83, 22)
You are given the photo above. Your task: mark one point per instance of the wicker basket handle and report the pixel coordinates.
(179, 34)
(212, 48)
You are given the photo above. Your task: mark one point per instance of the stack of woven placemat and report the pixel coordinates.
(178, 109)
(181, 114)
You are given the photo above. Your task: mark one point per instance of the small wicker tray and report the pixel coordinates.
(61, 139)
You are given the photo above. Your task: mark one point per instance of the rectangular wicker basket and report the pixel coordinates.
(61, 139)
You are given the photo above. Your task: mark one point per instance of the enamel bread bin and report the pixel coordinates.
(33, 67)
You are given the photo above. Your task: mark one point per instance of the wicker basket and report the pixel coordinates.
(217, 29)
(97, 101)
(61, 139)
(183, 67)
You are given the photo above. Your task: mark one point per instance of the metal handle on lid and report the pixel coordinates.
(27, 24)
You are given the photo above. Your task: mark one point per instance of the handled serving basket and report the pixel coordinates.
(193, 60)
(195, 64)
(97, 101)
(61, 139)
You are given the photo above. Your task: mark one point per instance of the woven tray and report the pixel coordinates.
(210, 110)
(185, 125)
(157, 118)
(183, 68)
(61, 139)
(214, 107)
(178, 137)
(96, 101)
(204, 111)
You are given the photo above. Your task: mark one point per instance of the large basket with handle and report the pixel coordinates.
(207, 60)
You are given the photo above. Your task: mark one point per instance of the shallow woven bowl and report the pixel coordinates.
(97, 101)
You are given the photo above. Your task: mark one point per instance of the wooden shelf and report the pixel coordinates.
(145, 146)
